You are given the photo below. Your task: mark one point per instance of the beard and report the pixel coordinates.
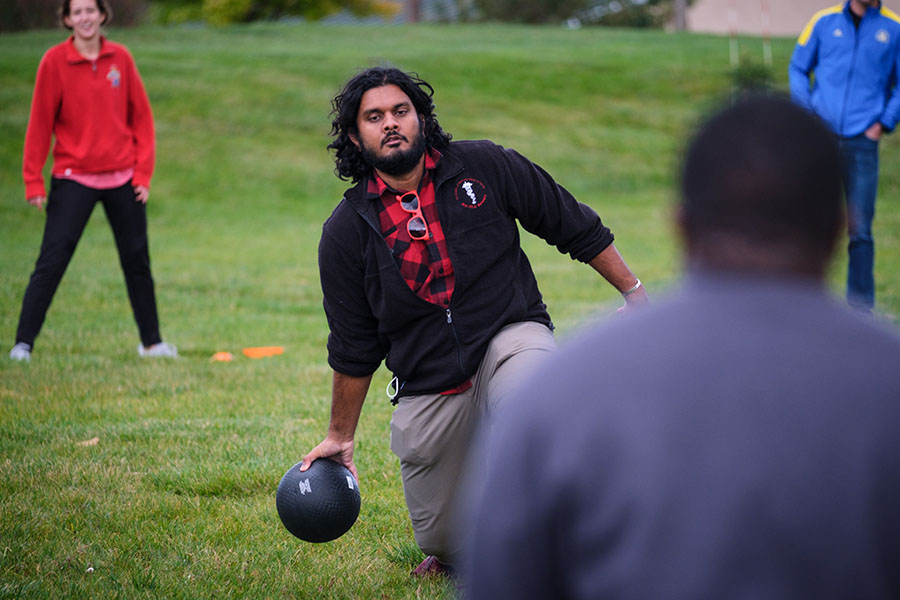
(396, 163)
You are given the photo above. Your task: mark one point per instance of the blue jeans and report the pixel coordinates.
(859, 157)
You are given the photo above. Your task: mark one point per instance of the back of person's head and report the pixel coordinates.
(345, 106)
(761, 190)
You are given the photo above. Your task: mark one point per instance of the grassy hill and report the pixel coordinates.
(176, 498)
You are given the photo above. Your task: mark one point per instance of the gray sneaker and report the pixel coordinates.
(160, 349)
(21, 351)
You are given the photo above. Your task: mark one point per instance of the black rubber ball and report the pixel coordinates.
(319, 504)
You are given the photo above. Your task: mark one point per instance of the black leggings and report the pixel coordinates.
(69, 207)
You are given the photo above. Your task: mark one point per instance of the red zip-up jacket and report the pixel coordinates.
(99, 112)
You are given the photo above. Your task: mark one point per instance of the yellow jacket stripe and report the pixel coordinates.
(807, 31)
(886, 12)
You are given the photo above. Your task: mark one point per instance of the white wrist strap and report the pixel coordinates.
(636, 287)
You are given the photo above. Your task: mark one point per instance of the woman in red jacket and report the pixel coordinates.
(89, 95)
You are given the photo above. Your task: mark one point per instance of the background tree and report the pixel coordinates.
(221, 12)
(17, 15)
(621, 13)
(530, 11)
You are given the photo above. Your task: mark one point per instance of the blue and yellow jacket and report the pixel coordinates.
(854, 70)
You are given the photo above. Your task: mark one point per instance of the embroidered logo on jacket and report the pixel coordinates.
(883, 36)
(470, 193)
(114, 77)
(837, 33)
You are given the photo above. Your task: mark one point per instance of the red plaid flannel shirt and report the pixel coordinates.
(424, 264)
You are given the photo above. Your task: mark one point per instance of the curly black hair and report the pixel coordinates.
(349, 161)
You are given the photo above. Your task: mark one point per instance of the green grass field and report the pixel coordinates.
(177, 498)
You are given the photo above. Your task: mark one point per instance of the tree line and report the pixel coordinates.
(18, 15)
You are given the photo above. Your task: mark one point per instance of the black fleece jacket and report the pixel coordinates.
(481, 191)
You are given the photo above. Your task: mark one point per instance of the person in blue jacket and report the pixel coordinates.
(852, 52)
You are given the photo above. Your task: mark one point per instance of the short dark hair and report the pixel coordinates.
(102, 6)
(349, 161)
(764, 172)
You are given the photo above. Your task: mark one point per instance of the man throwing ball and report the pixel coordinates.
(421, 266)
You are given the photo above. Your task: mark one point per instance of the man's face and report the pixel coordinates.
(389, 131)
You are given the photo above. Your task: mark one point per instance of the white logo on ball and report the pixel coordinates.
(305, 487)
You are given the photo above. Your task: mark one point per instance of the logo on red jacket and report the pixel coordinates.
(114, 76)
(470, 193)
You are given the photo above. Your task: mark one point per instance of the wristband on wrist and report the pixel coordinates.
(632, 290)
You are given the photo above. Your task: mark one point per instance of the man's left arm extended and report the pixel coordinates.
(548, 210)
(610, 264)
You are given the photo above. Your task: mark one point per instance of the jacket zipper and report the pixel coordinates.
(394, 398)
(438, 184)
(456, 341)
(856, 36)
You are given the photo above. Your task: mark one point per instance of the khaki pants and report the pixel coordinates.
(432, 434)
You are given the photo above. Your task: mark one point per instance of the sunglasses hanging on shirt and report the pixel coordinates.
(417, 227)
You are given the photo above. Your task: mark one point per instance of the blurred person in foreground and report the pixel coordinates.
(845, 68)
(736, 441)
(421, 266)
(89, 97)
